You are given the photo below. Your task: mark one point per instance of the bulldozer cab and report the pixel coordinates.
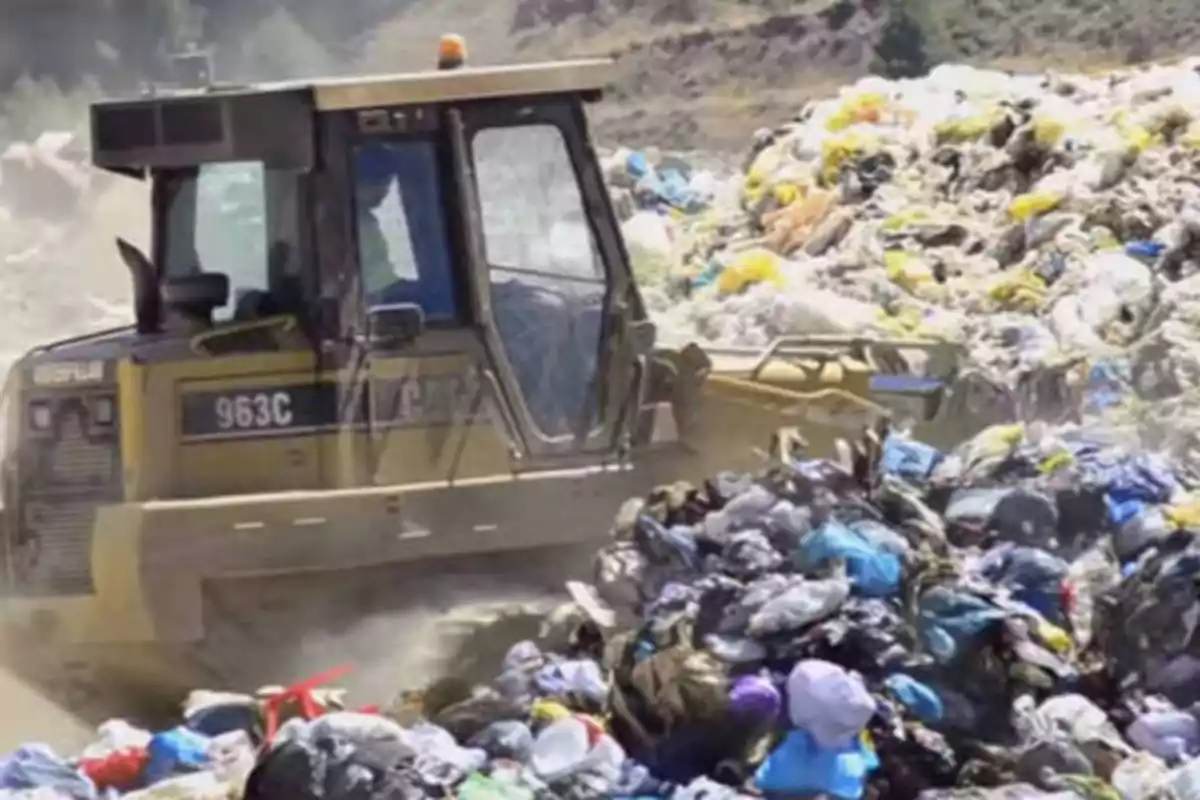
(356, 260)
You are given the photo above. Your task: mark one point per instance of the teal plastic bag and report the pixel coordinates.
(873, 571)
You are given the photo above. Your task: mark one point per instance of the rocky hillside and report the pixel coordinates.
(697, 72)
(709, 71)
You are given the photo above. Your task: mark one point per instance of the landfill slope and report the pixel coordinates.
(1048, 225)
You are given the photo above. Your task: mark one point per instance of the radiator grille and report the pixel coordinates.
(65, 474)
(74, 460)
(56, 557)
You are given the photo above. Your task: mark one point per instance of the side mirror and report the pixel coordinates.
(196, 296)
(394, 325)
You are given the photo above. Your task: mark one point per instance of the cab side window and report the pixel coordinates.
(239, 219)
(545, 273)
(216, 222)
(404, 253)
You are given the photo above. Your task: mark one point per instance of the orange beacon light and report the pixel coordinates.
(452, 51)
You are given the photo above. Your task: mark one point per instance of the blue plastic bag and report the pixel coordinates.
(948, 619)
(1034, 577)
(174, 751)
(799, 766)
(872, 571)
(1145, 249)
(637, 165)
(922, 701)
(1144, 477)
(675, 543)
(908, 459)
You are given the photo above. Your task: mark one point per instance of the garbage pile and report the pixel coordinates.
(1013, 619)
(1038, 220)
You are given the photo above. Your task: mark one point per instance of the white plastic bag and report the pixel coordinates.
(114, 736)
(565, 748)
(1138, 775)
(650, 244)
(196, 786)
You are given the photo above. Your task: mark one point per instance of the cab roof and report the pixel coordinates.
(466, 83)
(226, 122)
(431, 86)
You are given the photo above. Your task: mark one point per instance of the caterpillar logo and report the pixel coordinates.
(68, 373)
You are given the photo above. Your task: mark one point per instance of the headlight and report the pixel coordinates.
(102, 412)
(41, 416)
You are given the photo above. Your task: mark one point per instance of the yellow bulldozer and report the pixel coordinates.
(388, 362)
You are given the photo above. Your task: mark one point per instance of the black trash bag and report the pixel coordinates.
(912, 759)
(330, 769)
(1142, 625)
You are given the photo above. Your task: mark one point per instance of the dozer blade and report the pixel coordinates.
(240, 592)
(819, 389)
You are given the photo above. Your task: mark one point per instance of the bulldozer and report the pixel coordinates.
(388, 362)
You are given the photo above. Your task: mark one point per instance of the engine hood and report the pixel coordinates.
(79, 361)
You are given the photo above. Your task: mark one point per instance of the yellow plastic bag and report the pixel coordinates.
(1048, 131)
(786, 193)
(837, 150)
(1022, 290)
(904, 219)
(906, 270)
(1185, 514)
(867, 107)
(1054, 463)
(546, 711)
(1033, 204)
(748, 268)
(967, 129)
(758, 177)
(1054, 637)
(1138, 138)
(1135, 136)
(902, 323)
(994, 442)
(1191, 137)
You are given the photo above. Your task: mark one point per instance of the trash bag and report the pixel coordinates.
(828, 702)
(873, 571)
(800, 766)
(174, 751)
(38, 767)
(325, 769)
(748, 268)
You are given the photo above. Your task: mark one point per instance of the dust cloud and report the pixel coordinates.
(397, 626)
(62, 278)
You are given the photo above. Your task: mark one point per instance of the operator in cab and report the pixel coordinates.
(403, 247)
